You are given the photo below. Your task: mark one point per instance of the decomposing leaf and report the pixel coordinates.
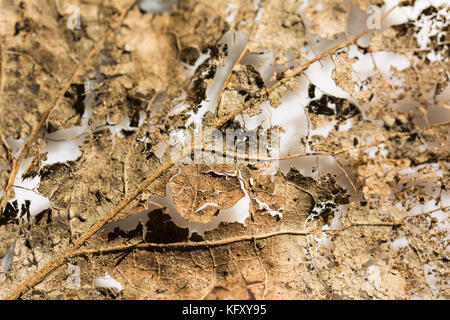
(199, 192)
(118, 136)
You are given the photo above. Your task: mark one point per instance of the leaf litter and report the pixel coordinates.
(358, 209)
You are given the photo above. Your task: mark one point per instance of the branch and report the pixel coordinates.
(399, 223)
(426, 212)
(189, 244)
(339, 164)
(8, 150)
(2, 64)
(227, 241)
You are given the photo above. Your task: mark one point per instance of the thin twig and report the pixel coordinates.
(399, 223)
(426, 213)
(2, 63)
(227, 241)
(8, 149)
(406, 50)
(24, 54)
(228, 79)
(189, 244)
(339, 164)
